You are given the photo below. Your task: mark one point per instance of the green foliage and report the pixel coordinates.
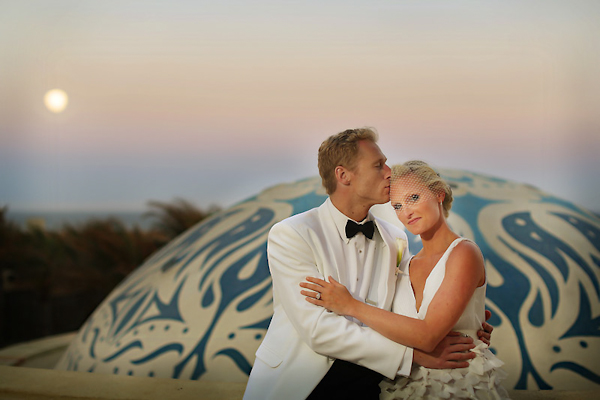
(175, 218)
(86, 260)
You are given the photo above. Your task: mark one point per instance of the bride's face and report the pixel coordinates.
(417, 207)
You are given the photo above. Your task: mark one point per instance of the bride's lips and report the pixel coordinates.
(412, 221)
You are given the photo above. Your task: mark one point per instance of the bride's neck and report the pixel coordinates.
(437, 239)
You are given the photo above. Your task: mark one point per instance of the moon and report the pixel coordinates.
(56, 100)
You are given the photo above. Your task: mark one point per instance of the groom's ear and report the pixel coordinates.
(342, 175)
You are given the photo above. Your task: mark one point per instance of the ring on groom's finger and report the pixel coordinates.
(318, 296)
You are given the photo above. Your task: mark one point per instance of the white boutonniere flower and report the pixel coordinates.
(401, 243)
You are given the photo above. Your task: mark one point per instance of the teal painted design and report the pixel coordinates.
(199, 307)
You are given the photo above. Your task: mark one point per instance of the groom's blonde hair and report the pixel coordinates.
(341, 150)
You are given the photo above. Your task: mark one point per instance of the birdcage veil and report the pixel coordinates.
(412, 177)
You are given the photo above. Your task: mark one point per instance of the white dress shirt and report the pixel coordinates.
(362, 267)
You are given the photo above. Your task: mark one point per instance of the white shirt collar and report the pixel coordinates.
(341, 220)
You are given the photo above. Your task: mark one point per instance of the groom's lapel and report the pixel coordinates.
(387, 283)
(333, 247)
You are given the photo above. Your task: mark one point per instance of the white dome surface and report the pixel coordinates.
(199, 308)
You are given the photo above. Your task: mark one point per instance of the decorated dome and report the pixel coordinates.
(199, 308)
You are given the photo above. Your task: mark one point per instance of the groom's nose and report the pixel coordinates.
(388, 172)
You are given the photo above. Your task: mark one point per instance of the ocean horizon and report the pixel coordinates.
(55, 220)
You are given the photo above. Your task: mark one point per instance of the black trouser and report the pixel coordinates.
(346, 380)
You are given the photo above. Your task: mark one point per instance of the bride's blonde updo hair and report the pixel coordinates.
(428, 177)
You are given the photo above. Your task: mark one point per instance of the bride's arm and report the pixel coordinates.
(464, 273)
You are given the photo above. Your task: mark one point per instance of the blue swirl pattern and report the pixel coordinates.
(199, 307)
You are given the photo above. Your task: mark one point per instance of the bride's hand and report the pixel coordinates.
(332, 295)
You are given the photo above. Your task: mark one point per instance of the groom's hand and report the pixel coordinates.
(485, 333)
(451, 352)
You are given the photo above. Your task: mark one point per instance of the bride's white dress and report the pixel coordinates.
(481, 380)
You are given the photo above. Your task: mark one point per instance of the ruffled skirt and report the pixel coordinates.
(481, 380)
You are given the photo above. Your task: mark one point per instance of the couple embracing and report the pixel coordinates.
(338, 271)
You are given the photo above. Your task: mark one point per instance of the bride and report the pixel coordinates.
(441, 289)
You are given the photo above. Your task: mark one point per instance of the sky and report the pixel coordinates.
(215, 101)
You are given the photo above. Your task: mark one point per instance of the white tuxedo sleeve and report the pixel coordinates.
(406, 365)
(407, 360)
(291, 260)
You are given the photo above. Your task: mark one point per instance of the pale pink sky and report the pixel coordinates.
(215, 101)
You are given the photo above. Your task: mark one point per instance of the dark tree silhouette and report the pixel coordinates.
(176, 217)
(51, 280)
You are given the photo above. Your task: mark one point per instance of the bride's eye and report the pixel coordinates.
(414, 198)
(397, 206)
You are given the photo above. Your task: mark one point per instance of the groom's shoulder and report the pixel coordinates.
(306, 219)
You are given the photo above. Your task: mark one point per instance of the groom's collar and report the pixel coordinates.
(340, 219)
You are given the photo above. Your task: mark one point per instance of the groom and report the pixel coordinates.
(307, 351)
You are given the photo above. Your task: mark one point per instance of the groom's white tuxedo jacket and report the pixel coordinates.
(303, 340)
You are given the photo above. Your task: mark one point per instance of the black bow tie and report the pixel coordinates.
(352, 228)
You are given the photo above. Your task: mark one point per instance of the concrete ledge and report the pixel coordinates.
(553, 394)
(19, 383)
(40, 353)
